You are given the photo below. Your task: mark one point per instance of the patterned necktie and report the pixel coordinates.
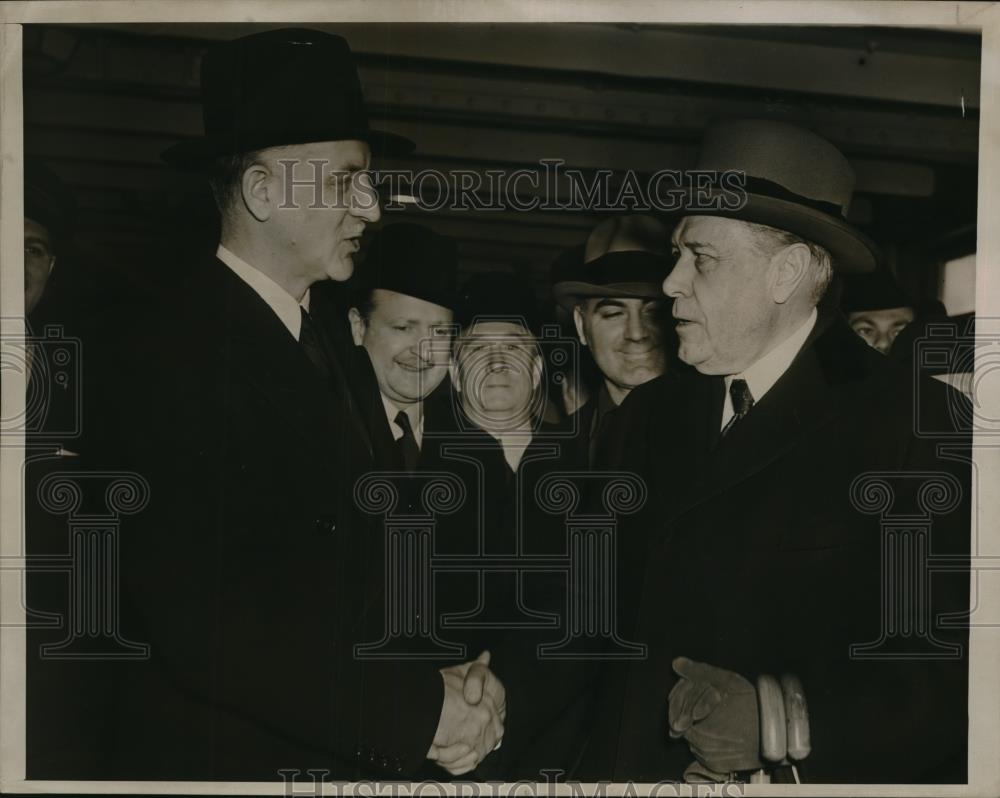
(310, 341)
(742, 400)
(408, 449)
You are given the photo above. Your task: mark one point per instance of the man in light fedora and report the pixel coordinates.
(762, 538)
(620, 313)
(253, 574)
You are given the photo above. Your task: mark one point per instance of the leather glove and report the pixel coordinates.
(715, 710)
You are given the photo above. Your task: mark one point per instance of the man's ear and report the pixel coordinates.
(256, 191)
(578, 322)
(456, 384)
(358, 326)
(536, 371)
(790, 267)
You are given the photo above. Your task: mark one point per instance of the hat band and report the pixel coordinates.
(625, 267)
(763, 187)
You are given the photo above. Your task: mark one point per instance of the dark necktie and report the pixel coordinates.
(309, 339)
(742, 400)
(408, 449)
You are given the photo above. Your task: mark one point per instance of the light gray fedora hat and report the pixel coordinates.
(795, 180)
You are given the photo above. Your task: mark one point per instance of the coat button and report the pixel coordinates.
(384, 763)
(325, 526)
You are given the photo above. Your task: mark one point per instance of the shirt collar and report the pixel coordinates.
(284, 305)
(391, 411)
(514, 443)
(762, 375)
(605, 404)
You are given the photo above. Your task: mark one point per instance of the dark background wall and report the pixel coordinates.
(102, 101)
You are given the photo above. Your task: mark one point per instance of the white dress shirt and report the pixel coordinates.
(391, 411)
(514, 444)
(285, 306)
(762, 375)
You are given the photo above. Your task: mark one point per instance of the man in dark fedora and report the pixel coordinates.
(766, 545)
(253, 574)
(620, 313)
(49, 210)
(402, 318)
(877, 308)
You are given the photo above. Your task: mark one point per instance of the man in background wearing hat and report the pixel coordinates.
(494, 440)
(619, 312)
(759, 558)
(876, 308)
(48, 214)
(252, 575)
(49, 211)
(402, 318)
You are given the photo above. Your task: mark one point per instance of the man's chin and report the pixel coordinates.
(342, 269)
(698, 360)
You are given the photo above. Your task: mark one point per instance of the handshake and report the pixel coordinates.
(472, 716)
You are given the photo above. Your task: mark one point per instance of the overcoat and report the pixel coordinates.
(779, 549)
(252, 574)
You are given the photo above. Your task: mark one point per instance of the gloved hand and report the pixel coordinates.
(715, 710)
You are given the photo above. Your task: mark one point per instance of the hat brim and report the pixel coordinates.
(200, 152)
(568, 292)
(851, 250)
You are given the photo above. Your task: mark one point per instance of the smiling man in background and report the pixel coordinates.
(620, 314)
(402, 318)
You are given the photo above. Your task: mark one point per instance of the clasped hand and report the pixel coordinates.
(472, 716)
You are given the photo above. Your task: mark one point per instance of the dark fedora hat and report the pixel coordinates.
(877, 290)
(497, 296)
(625, 256)
(48, 200)
(414, 260)
(795, 181)
(280, 87)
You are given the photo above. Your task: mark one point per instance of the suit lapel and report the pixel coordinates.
(687, 424)
(353, 374)
(809, 395)
(260, 351)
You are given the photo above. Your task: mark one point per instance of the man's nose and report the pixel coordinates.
(678, 280)
(635, 327)
(883, 343)
(497, 360)
(364, 199)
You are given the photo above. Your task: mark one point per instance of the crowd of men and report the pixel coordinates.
(253, 401)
